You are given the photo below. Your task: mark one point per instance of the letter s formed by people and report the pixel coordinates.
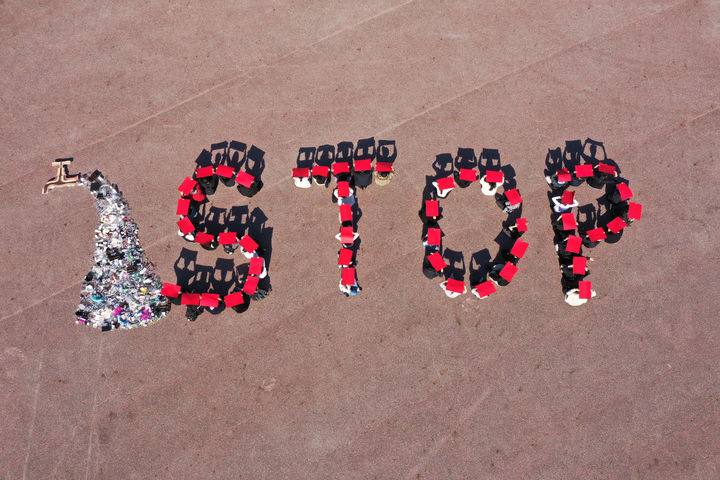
(235, 165)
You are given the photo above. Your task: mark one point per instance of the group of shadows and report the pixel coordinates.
(318, 165)
(225, 277)
(483, 266)
(592, 224)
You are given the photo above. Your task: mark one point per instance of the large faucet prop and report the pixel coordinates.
(62, 178)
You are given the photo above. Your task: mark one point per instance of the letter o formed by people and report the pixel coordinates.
(233, 165)
(464, 171)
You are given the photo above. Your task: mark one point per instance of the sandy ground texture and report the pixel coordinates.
(399, 382)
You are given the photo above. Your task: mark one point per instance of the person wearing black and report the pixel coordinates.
(230, 248)
(556, 220)
(242, 307)
(209, 184)
(589, 243)
(613, 193)
(494, 274)
(344, 153)
(212, 245)
(428, 221)
(600, 179)
(502, 202)
(428, 270)
(250, 191)
(566, 268)
(365, 150)
(193, 312)
(561, 249)
(621, 210)
(516, 230)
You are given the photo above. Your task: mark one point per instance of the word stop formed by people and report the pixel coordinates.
(122, 290)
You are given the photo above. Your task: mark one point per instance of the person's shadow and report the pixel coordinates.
(572, 154)
(218, 152)
(236, 154)
(204, 159)
(258, 229)
(386, 151)
(185, 267)
(456, 264)
(590, 151)
(553, 161)
(222, 280)
(443, 165)
(509, 175)
(237, 218)
(306, 157)
(255, 162)
(479, 262)
(466, 158)
(490, 159)
(344, 153)
(325, 155)
(215, 220)
(586, 217)
(365, 150)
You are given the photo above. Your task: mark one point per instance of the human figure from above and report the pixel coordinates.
(321, 175)
(428, 270)
(617, 193)
(347, 236)
(572, 297)
(560, 179)
(186, 229)
(483, 289)
(517, 229)
(568, 247)
(257, 252)
(383, 177)
(344, 197)
(494, 274)
(603, 174)
(563, 224)
(302, 182)
(386, 155)
(490, 182)
(192, 312)
(452, 293)
(348, 282)
(568, 268)
(239, 301)
(248, 185)
(488, 188)
(565, 202)
(627, 211)
(350, 290)
(443, 186)
(432, 217)
(429, 247)
(508, 201)
(212, 245)
(207, 179)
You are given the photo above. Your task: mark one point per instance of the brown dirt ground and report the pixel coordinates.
(399, 382)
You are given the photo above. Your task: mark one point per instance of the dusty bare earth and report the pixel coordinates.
(399, 382)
